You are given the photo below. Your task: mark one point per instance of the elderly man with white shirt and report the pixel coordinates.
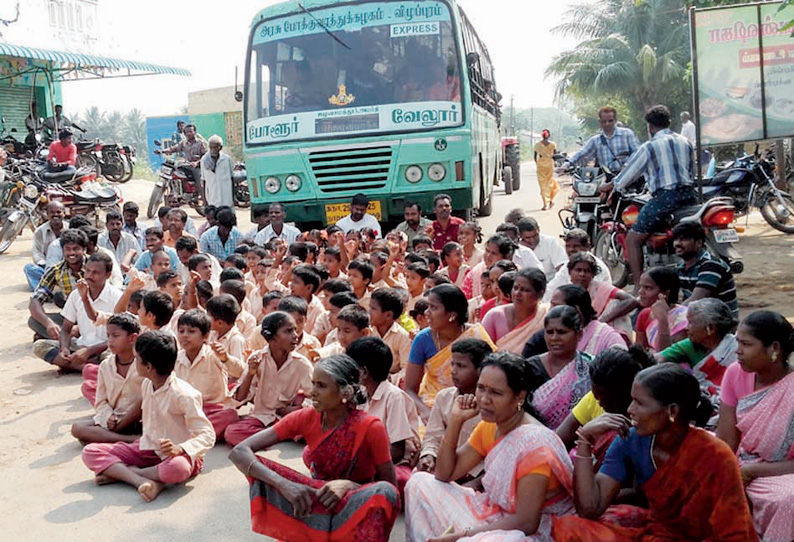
(94, 294)
(277, 229)
(576, 240)
(547, 249)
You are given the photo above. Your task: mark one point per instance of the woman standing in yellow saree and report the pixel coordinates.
(428, 370)
(544, 159)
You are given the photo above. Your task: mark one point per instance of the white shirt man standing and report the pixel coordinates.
(688, 128)
(358, 219)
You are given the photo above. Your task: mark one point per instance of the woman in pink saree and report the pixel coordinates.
(511, 326)
(527, 471)
(662, 321)
(566, 369)
(612, 305)
(498, 247)
(756, 420)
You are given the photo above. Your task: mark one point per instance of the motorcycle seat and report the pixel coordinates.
(56, 176)
(684, 212)
(96, 195)
(86, 145)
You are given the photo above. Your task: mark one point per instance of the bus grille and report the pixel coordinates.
(351, 169)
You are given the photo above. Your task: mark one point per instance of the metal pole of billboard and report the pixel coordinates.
(696, 100)
(761, 58)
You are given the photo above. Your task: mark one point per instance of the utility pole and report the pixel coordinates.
(512, 115)
(532, 128)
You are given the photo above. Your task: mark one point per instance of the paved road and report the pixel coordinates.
(48, 491)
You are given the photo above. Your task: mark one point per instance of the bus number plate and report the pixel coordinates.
(335, 212)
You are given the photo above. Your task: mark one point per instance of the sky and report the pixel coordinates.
(210, 41)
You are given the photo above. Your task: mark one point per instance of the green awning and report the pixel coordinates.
(66, 65)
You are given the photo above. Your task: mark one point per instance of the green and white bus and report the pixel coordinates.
(394, 99)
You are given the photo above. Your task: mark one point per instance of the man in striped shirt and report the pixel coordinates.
(612, 147)
(667, 162)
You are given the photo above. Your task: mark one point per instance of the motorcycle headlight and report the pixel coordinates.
(293, 183)
(272, 185)
(586, 189)
(413, 174)
(31, 192)
(436, 172)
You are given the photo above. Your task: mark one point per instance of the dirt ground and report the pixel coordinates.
(47, 491)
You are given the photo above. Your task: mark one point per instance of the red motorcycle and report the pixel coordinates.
(177, 179)
(716, 216)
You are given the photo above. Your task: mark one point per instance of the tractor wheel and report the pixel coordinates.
(513, 159)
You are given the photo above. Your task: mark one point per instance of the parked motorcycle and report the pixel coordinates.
(105, 158)
(29, 187)
(128, 154)
(242, 198)
(587, 201)
(175, 178)
(749, 181)
(716, 216)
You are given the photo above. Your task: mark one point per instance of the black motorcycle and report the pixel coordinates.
(749, 182)
(587, 200)
(242, 197)
(175, 178)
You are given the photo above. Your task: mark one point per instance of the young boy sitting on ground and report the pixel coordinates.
(176, 432)
(156, 312)
(467, 357)
(385, 307)
(337, 303)
(305, 284)
(276, 380)
(245, 322)
(330, 287)
(207, 368)
(223, 310)
(415, 276)
(352, 323)
(297, 308)
(389, 403)
(360, 275)
(116, 391)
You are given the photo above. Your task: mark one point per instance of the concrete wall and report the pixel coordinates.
(214, 100)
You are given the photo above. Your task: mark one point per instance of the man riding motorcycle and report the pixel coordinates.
(611, 147)
(667, 163)
(193, 148)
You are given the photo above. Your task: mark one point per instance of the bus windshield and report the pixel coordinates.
(355, 69)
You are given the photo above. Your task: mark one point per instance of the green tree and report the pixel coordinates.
(632, 54)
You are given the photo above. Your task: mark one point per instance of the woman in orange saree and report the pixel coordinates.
(351, 493)
(690, 478)
(428, 370)
(527, 471)
(512, 325)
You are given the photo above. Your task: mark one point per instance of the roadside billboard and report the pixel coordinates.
(740, 93)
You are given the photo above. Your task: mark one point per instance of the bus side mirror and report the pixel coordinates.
(472, 59)
(238, 96)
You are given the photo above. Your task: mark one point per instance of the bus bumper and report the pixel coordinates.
(313, 212)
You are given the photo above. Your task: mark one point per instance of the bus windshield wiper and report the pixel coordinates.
(322, 25)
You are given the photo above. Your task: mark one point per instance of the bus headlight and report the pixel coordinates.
(436, 172)
(31, 192)
(413, 174)
(272, 185)
(293, 183)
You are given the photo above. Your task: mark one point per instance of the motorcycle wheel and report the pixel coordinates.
(154, 201)
(128, 169)
(780, 217)
(242, 198)
(10, 232)
(88, 161)
(115, 164)
(613, 257)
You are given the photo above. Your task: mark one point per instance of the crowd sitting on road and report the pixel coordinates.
(491, 387)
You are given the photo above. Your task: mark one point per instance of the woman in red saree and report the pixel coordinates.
(690, 478)
(351, 493)
(511, 326)
(757, 417)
